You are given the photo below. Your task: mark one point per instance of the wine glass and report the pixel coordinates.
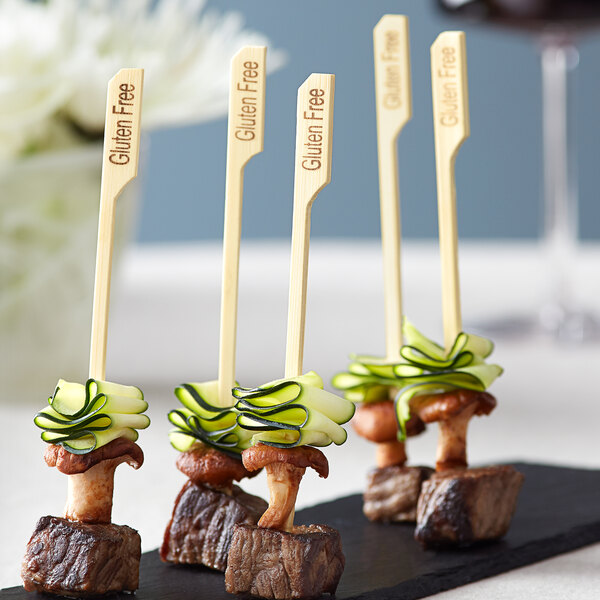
(556, 24)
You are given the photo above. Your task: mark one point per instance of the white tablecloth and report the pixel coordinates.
(164, 330)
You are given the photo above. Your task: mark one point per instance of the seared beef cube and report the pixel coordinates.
(81, 559)
(393, 492)
(201, 527)
(459, 507)
(281, 565)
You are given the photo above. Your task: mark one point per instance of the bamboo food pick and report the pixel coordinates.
(119, 167)
(451, 129)
(245, 136)
(312, 173)
(393, 102)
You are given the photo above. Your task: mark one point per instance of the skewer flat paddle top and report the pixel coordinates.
(245, 138)
(393, 102)
(314, 127)
(451, 129)
(119, 167)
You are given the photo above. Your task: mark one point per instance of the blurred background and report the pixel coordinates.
(55, 59)
(499, 170)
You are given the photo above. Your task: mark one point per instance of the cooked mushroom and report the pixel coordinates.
(452, 410)
(207, 466)
(376, 421)
(285, 468)
(91, 477)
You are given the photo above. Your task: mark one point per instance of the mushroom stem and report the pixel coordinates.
(390, 453)
(283, 480)
(90, 494)
(452, 443)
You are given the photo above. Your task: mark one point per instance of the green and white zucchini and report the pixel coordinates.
(81, 418)
(201, 419)
(286, 413)
(426, 368)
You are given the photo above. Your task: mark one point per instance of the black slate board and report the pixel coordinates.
(558, 511)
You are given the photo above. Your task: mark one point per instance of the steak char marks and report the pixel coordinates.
(280, 565)
(80, 559)
(201, 527)
(463, 506)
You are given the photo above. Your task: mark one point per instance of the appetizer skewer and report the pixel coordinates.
(392, 488)
(457, 505)
(287, 418)
(205, 428)
(245, 139)
(92, 428)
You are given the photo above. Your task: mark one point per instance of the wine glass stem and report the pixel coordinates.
(560, 186)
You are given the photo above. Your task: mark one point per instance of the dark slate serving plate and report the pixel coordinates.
(558, 511)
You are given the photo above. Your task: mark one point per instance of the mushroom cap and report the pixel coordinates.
(72, 464)
(261, 455)
(441, 407)
(206, 465)
(376, 421)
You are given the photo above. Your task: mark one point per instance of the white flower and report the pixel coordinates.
(33, 81)
(185, 53)
(57, 57)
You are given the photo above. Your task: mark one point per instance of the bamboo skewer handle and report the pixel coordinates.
(119, 167)
(312, 173)
(451, 129)
(393, 102)
(245, 139)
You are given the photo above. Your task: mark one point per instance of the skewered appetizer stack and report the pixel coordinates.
(206, 431)
(393, 488)
(290, 417)
(209, 504)
(226, 433)
(457, 505)
(92, 428)
(454, 505)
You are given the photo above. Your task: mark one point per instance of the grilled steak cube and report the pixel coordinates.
(459, 507)
(81, 559)
(201, 527)
(281, 565)
(393, 492)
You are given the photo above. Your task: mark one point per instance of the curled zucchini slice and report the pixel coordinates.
(83, 417)
(202, 420)
(286, 413)
(425, 368)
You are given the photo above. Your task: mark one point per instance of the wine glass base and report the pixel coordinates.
(569, 324)
(553, 321)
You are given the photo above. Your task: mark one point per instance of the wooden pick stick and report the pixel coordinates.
(312, 173)
(393, 103)
(245, 137)
(119, 167)
(451, 129)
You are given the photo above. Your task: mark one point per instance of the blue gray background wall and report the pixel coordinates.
(498, 170)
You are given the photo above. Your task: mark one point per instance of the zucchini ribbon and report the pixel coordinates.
(425, 368)
(83, 417)
(293, 412)
(201, 419)
(284, 413)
